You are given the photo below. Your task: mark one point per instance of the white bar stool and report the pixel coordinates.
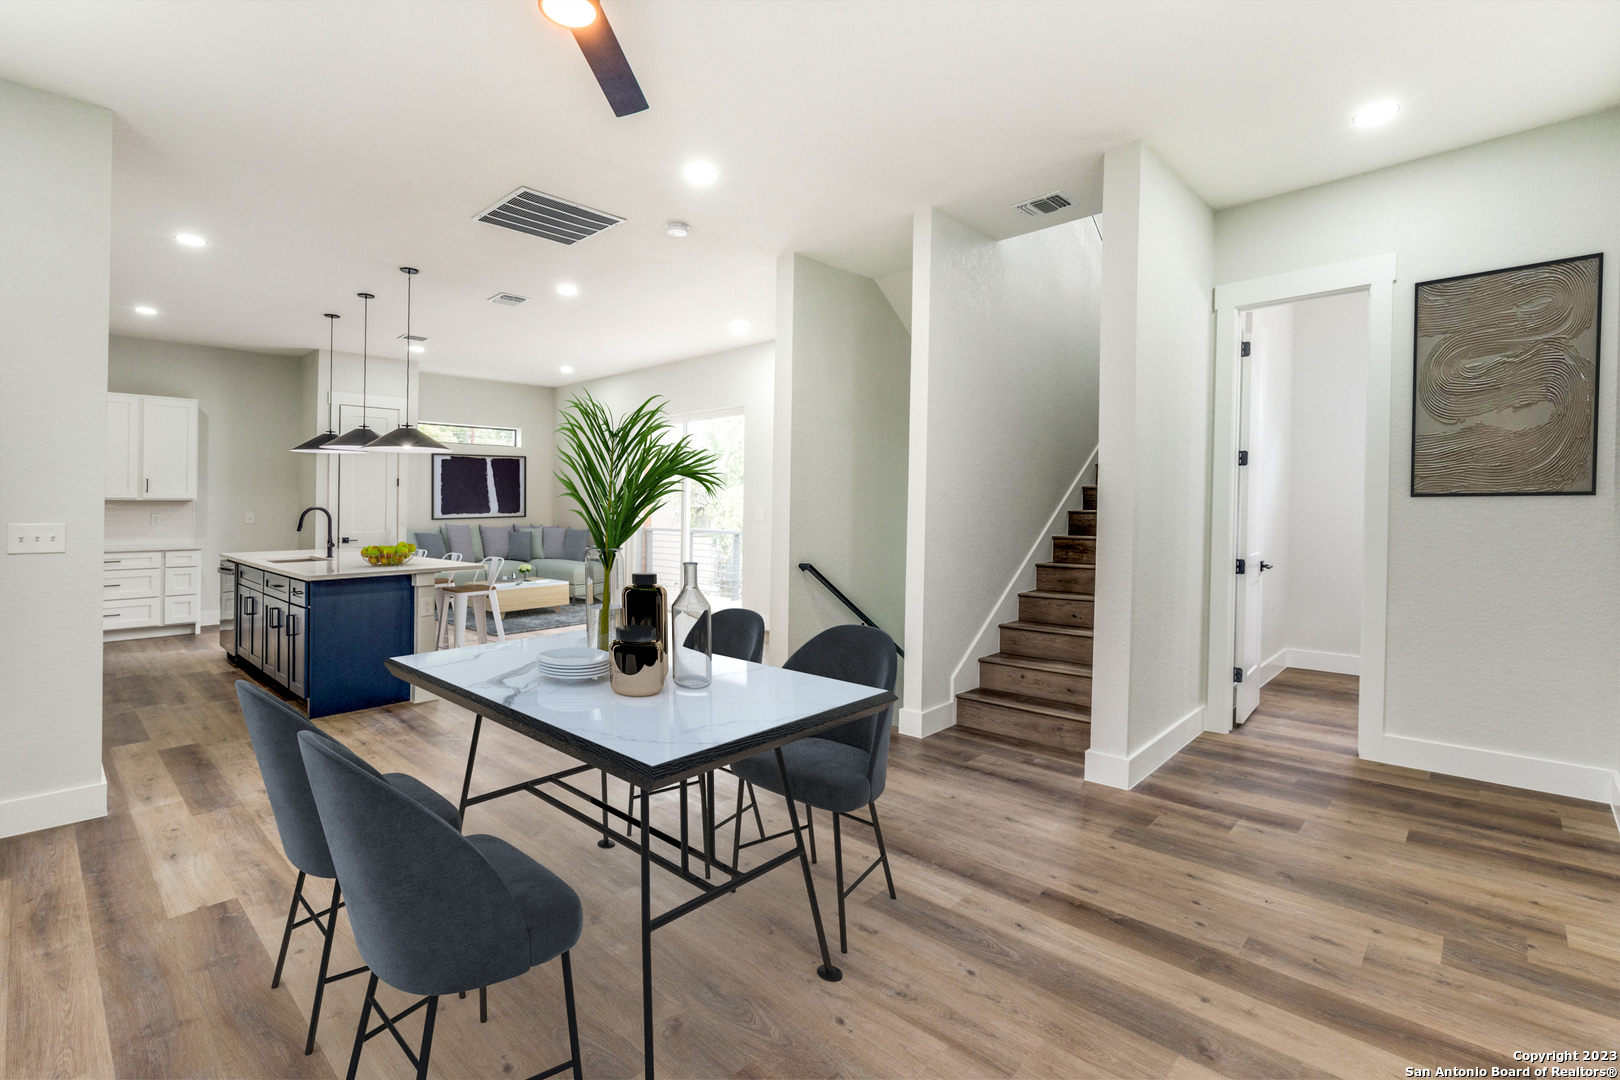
(486, 603)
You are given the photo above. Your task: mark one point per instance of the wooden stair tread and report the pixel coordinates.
(1037, 663)
(1047, 594)
(1025, 703)
(1063, 565)
(1046, 628)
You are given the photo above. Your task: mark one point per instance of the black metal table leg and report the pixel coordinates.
(826, 970)
(472, 754)
(686, 848)
(646, 937)
(607, 837)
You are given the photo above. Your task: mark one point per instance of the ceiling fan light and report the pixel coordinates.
(570, 13)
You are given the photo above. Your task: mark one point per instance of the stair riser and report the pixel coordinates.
(1044, 609)
(1075, 549)
(1082, 523)
(1088, 498)
(1071, 736)
(1078, 579)
(1048, 685)
(1076, 650)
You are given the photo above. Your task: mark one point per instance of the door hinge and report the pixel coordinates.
(1242, 567)
(1237, 674)
(1245, 348)
(1243, 457)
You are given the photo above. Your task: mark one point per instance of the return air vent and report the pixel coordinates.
(506, 299)
(539, 214)
(1046, 204)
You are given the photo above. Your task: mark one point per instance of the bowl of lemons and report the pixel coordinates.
(388, 554)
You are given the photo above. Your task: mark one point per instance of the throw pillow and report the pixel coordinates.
(431, 543)
(497, 539)
(551, 542)
(460, 537)
(518, 547)
(575, 543)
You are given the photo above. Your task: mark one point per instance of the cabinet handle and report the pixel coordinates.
(275, 618)
(113, 615)
(249, 606)
(148, 483)
(292, 626)
(112, 585)
(112, 560)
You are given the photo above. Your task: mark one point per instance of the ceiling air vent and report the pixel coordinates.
(1046, 204)
(539, 214)
(506, 299)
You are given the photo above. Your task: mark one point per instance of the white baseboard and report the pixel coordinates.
(1589, 782)
(1332, 662)
(1614, 800)
(921, 723)
(52, 808)
(151, 631)
(1270, 669)
(1113, 770)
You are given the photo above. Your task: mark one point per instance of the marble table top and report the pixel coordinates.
(648, 741)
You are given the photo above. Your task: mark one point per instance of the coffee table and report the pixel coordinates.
(531, 594)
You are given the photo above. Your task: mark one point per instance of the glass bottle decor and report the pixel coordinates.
(691, 637)
(605, 576)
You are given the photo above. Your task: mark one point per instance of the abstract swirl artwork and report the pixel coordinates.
(1505, 381)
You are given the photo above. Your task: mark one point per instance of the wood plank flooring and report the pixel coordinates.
(1264, 905)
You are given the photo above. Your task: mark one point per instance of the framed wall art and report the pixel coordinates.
(1505, 381)
(465, 486)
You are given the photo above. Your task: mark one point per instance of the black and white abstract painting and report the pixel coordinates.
(479, 487)
(1505, 379)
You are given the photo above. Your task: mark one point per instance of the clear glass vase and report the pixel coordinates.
(606, 575)
(691, 640)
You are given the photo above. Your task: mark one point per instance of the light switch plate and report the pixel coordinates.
(30, 539)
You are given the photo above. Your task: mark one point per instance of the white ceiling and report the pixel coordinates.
(321, 145)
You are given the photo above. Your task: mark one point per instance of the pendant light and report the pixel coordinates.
(357, 438)
(406, 439)
(321, 444)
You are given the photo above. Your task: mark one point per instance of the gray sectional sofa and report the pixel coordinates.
(551, 552)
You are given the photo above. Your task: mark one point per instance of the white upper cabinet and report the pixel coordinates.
(123, 446)
(151, 447)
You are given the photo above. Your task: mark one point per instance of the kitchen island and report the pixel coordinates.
(321, 628)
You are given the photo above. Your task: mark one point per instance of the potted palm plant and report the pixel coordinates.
(618, 472)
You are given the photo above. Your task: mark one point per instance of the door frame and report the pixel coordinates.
(1375, 275)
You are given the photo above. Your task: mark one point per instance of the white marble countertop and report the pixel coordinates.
(117, 546)
(746, 708)
(306, 564)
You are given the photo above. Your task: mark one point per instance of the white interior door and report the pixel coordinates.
(1246, 639)
(367, 484)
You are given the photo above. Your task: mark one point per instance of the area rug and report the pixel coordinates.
(521, 622)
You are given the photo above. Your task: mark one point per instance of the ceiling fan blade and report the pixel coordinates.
(601, 48)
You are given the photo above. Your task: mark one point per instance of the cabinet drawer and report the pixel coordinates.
(132, 560)
(182, 558)
(182, 609)
(130, 584)
(182, 581)
(124, 614)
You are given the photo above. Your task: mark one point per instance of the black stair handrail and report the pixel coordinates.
(847, 602)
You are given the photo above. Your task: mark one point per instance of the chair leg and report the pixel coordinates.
(479, 607)
(442, 641)
(483, 1004)
(326, 960)
(360, 1032)
(286, 935)
(883, 852)
(838, 873)
(607, 836)
(736, 826)
(573, 1022)
(630, 810)
(495, 613)
(759, 822)
(427, 1038)
(810, 827)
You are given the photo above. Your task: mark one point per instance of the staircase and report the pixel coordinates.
(1037, 689)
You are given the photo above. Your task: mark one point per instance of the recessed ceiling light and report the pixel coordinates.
(740, 326)
(142, 309)
(190, 239)
(566, 370)
(700, 173)
(418, 348)
(567, 288)
(569, 13)
(677, 228)
(1373, 115)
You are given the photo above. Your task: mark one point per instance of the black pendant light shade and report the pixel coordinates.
(357, 438)
(406, 439)
(321, 444)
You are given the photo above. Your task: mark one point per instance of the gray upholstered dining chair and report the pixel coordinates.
(274, 727)
(843, 769)
(435, 912)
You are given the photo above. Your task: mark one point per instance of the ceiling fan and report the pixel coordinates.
(589, 25)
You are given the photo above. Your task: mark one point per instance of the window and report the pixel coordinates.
(704, 528)
(468, 435)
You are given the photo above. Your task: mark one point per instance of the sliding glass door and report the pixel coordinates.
(701, 527)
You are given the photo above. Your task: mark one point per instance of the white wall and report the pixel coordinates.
(1153, 482)
(55, 243)
(722, 382)
(250, 413)
(1503, 654)
(1003, 417)
(839, 464)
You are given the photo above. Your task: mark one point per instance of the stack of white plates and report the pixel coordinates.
(574, 664)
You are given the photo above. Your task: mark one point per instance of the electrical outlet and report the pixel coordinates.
(157, 519)
(250, 517)
(759, 515)
(35, 539)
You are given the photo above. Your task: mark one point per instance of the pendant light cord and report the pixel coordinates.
(365, 356)
(331, 367)
(408, 279)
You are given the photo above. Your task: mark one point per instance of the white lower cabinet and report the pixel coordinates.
(146, 589)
